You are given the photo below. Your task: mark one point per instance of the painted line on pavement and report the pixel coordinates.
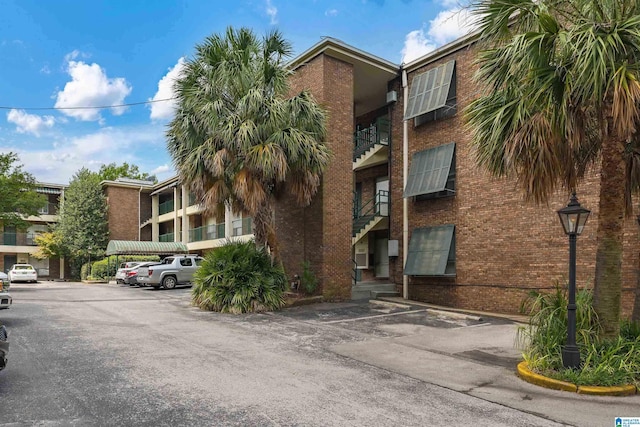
(376, 316)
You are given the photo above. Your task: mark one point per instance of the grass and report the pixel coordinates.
(604, 362)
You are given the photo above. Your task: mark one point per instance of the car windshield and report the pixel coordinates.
(22, 267)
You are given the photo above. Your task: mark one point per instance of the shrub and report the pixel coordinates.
(308, 280)
(604, 362)
(239, 278)
(99, 269)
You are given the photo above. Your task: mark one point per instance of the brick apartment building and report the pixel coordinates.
(402, 201)
(400, 147)
(18, 246)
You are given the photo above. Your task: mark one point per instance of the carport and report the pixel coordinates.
(135, 247)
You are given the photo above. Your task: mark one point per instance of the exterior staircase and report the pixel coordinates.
(371, 144)
(368, 290)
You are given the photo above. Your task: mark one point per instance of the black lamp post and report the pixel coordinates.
(573, 218)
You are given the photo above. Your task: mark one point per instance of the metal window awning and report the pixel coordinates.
(429, 91)
(134, 247)
(429, 249)
(48, 190)
(430, 170)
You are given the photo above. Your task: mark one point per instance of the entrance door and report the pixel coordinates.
(9, 260)
(381, 258)
(382, 199)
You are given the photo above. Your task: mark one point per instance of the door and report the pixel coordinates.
(9, 260)
(382, 196)
(381, 258)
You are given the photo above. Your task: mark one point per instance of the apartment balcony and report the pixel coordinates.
(242, 227)
(371, 144)
(165, 207)
(206, 232)
(168, 237)
(18, 239)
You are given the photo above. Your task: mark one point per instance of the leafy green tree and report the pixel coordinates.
(238, 137)
(18, 197)
(562, 94)
(50, 245)
(112, 171)
(82, 225)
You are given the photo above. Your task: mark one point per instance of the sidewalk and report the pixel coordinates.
(480, 360)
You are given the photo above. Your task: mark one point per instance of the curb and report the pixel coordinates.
(537, 379)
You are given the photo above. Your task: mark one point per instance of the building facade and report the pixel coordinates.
(402, 201)
(18, 246)
(423, 215)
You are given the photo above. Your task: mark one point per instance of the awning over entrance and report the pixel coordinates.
(133, 247)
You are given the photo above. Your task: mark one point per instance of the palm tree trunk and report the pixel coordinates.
(608, 277)
(265, 230)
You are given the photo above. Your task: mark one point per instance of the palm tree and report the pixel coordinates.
(238, 138)
(563, 94)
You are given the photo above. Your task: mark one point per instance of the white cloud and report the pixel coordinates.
(416, 45)
(272, 11)
(331, 12)
(90, 86)
(29, 123)
(448, 25)
(45, 69)
(59, 160)
(164, 110)
(163, 169)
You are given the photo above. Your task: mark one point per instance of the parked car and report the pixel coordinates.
(5, 297)
(4, 346)
(23, 273)
(131, 277)
(121, 273)
(172, 271)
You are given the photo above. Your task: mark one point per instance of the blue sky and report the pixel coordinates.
(63, 53)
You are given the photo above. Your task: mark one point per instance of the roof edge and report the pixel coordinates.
(328, 43)
(442, 51)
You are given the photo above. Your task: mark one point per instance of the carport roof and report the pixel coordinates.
(133, 247)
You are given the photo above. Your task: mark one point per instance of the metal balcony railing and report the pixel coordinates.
(18, 239)
(165, 207)
(242, 226)
(168, 237)
(206, 232)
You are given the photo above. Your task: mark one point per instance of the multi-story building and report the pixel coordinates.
(424, 216)
(402, 201)
(168, 212)
(18, 246)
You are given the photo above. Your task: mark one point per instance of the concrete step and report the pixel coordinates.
(380, 294)
(366, 290)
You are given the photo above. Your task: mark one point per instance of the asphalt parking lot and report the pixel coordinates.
(118, 355)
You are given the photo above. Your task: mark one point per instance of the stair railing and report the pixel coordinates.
(364, 139)
(378, 206)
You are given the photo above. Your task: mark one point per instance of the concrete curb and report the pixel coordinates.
(537, 379)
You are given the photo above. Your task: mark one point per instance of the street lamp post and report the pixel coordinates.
(573, 218)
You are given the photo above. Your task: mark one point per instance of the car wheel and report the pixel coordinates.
(169, 282)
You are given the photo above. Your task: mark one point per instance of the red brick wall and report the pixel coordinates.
(504, 245)
(325, 235)
(122, 213)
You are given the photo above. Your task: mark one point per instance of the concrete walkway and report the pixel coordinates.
(478, 359)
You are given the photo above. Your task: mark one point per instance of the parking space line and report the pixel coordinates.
(375, 316)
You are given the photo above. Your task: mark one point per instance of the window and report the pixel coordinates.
(432, 173)
(432, 94)
(432, 252)
(185, 262)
